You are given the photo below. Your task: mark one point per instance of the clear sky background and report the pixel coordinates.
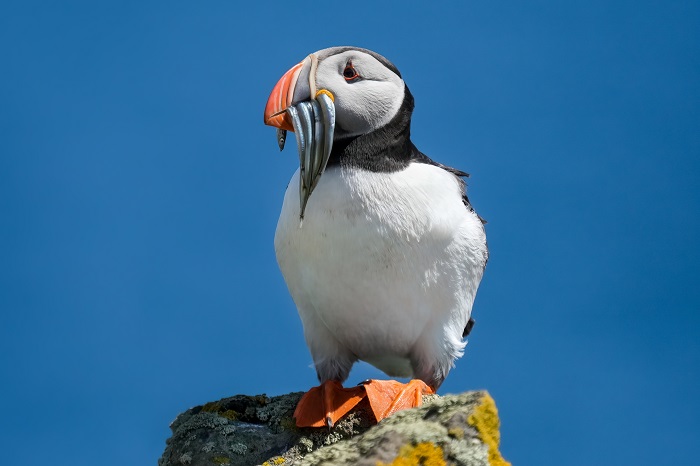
(139, 193)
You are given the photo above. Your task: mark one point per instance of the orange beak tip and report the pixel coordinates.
(279, 120)
(281, 98)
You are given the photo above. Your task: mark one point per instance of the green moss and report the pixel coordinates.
(216, 407)
(221, 460)
(211, 407)
(287, 423)
(230, 414)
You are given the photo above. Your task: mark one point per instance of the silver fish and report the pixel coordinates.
(281, 138)
(314, 125)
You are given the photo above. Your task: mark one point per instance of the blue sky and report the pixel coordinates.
(139, 193)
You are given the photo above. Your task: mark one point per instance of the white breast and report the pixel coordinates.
(384, 268)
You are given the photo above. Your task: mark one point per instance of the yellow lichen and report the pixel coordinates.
(423, 454)
(456, 432)
(221, 460)
(485, 420)
(274, 461)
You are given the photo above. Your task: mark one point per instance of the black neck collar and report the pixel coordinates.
(387, 149)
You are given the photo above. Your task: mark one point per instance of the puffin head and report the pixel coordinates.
(345, 104)
(367, 90)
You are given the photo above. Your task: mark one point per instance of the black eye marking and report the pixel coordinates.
(350, 73)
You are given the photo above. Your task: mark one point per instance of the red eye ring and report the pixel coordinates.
(350, 73)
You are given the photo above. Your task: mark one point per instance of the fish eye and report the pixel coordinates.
(350, 73)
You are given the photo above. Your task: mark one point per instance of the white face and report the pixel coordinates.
(367, 93)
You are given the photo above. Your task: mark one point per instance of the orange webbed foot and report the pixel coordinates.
(389, 396)
(322, 406)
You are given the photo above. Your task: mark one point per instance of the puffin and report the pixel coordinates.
(379, 246)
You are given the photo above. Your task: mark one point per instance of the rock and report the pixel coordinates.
(259, 430)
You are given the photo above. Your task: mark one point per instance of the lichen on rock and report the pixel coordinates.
(485, 419)
(259, 430)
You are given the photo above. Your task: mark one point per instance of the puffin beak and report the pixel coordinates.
(281, 98)
(295, 105)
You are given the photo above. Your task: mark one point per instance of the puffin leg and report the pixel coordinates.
(324, 405)
(389, 396)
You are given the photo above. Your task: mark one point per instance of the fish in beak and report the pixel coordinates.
(296, 105)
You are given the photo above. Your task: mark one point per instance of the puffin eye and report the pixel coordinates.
(350, 73)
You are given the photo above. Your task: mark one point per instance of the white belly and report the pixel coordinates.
(384, 265)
